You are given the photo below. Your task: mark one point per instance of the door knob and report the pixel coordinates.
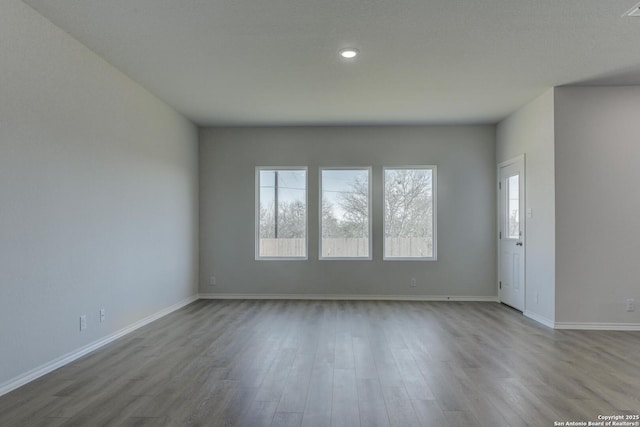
(518, 243)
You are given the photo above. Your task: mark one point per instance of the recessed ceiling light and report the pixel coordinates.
(349, 53)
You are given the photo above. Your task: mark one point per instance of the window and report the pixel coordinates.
(281, 213)
(410, 213)
(345, 219)
(513, 207)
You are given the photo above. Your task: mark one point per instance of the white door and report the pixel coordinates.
(511, 232)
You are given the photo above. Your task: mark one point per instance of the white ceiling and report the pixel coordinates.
(252, 62)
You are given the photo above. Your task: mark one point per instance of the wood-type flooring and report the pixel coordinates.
(339, 363)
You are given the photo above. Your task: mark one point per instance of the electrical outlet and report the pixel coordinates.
(83, 322)
(103, 315)
(631, 304)
(212, 281)
(413, 282)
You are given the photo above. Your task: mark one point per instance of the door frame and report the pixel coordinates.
(523, 177)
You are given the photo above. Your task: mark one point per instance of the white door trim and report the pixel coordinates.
(520, 158)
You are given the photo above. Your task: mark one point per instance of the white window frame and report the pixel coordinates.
(434, 187)
(370, 195)
(257, 213)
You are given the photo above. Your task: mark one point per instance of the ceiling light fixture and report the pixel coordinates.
(349, 53)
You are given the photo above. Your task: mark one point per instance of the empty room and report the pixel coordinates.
(307, 213)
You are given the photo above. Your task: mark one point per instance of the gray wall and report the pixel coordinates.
(597, 154)
(98, 191)
(530, 131)
(465, 156)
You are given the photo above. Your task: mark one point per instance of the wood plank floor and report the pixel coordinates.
(339, 363)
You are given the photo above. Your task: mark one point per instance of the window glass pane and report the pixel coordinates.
(282, 213)
(344, 222)
(513, 208)
(408, 213)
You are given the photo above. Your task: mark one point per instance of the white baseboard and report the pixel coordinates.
(342, 297)
(540, 319)
(36, 373)
(594, 326)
